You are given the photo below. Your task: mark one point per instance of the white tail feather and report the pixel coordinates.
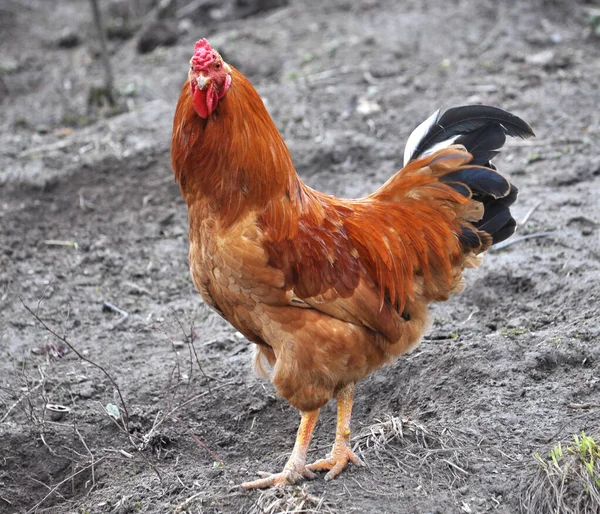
(417, 136)
(438, 146)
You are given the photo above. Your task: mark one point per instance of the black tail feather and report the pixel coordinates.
(483, 144)
(482, 130)
(499, 207)
(481, 180)
(469, 238)
(495, 217)
(496, 194)
(505, 232)
(511, 197)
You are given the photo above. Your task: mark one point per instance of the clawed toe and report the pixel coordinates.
(322, 464)
(286, 477)
(335, 462)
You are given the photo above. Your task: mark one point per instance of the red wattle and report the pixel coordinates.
(199, 100)
(212, 99)
(205, 101)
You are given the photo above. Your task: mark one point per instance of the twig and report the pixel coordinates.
(108, 74)
(158, 423)
(107, 306)
(111, 307)
(371, 491)
(64, 340)
(473, 312)
(543, 142)
(33, 479)
(138, 289)
(583, 405)
(48, 447)
(183, 504)
(19, 401)
(327, 74)
(458, 468)
(91, 455)
(55, 488)
(39, 303)
(56, 242)
(124, 417)
(529, 213)
(43, 149)
(190, 342)
(193, 348)
(510, 242)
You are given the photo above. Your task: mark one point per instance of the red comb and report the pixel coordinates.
(204, 55)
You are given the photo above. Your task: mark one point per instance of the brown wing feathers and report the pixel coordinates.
(423, 222)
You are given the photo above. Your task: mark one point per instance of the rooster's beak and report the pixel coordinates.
(226, 67)
(202, 81)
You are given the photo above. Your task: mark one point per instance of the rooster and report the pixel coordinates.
(328, 289)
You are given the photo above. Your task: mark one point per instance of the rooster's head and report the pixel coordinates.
(210, 78)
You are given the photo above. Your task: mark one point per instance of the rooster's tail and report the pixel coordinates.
(482, 131)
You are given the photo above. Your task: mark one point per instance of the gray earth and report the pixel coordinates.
(89, 214)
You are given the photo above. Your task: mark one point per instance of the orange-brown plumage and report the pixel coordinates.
(328, 289)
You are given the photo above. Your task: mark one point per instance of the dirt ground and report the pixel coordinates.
(89, 214)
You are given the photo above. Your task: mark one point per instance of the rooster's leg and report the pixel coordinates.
(295, 469)
(341, 453)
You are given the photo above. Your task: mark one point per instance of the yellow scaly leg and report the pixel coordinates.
(295, 469)
(341, 453)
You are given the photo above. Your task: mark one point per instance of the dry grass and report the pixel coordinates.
(567, 480)
(279, 500)
(412, 446)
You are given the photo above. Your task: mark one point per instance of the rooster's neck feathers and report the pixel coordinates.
(235, 160)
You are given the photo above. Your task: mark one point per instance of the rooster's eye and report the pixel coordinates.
(218, 65)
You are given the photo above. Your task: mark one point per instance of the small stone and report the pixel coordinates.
(167, 219)
(68, 39)
(543, 58)
(367, 107)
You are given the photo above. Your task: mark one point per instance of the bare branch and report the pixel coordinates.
(64, 340)
(108, 74)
